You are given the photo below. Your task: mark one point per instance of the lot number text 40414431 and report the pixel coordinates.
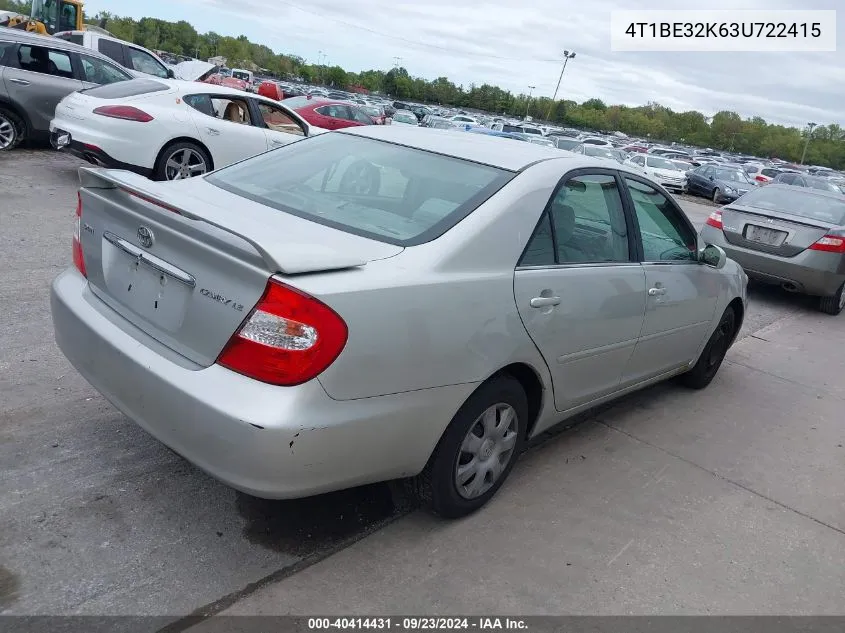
(418, 623)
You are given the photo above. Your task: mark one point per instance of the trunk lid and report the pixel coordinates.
(770, 231)
(185, 262)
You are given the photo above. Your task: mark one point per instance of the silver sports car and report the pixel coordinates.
(378, 303)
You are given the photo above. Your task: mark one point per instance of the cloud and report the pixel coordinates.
(515, 45)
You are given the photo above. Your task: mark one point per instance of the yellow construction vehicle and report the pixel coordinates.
(48, 17)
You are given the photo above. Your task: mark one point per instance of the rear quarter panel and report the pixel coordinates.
(441, 313)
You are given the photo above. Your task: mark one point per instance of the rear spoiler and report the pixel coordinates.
(289, 260)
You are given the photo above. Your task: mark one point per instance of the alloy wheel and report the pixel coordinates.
(486, 450)
(184, 163)
(7, 133)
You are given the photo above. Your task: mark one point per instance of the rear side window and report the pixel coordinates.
(125, 89)
(97, 71)
(387, 192)
(112, 50)
(771, 173)
(145, 63)
(7, 49)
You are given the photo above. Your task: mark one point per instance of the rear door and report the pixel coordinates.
(37, 78)
(681, 293)
(111, 49)
(226, 127)
(579, 290)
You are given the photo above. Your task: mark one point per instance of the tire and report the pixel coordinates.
(833, 305)
(717, 195)
(437, 487)
(166, 170)
(12, 130)
(714, 352)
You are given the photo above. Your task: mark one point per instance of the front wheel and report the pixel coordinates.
(714, 353)
(834, 304)
(477, 450)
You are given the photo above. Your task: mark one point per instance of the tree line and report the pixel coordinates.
(726, 131)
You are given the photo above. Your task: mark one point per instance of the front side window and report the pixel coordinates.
(96, 71)
(379, 190)
(335, 111)
(145, 63)
(46, 61)
(278, 120)
(665, 234)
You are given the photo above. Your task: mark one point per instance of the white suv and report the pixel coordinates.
(128, 55)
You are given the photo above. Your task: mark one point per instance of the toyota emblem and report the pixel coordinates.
(146, 237)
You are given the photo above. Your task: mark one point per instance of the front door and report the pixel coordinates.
(580, 293)
(280, 127)
(226, 127)
(38, 78)
(681, 293)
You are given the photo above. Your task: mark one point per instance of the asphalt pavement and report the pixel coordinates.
(96, 517)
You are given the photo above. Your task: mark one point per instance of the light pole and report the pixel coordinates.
(528, 105)
(810, 127)
(566, 57)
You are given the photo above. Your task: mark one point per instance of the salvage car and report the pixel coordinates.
(289, 323)
(170, 130)
(787, 236)
(36, 72)
(661, 170)
(720, 183)
(330, 115)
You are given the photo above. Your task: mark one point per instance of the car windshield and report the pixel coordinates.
(824, 185)
(239, 74)
(682, 165)
(660, 163)
(732, 175)
(798, 202)
(372, 110)
(598, 150)
(388, 192)
(405, 118)
(566, 143)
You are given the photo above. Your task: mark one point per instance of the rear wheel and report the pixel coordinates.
(714, 353)
(717, 195)
(477, 450)
(834, 304)
(12, 130)
(182, 160)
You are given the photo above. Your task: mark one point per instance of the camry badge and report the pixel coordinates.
(146, 237)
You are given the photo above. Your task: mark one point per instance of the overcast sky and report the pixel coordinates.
(499, 42)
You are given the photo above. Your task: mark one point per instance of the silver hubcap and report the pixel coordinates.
(184, 163)
(486, 451)
(7, 133)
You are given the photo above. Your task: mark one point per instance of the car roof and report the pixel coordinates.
(478, 148)
(807, 190)
(36, 39)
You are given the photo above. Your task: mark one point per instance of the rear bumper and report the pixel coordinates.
(65, 138)
(272, 442)
(808, 272)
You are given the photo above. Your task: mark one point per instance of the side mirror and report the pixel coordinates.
(712, 255)
(170, 74)
(710, 178)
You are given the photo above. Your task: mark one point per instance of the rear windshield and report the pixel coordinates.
(567, 143)
(598, 150)
(123, 89)
(298, 102)
(391, 193)
(76, 38)
(799, 202)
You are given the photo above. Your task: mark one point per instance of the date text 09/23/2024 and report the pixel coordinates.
(418, 623)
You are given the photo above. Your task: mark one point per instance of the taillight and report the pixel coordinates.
(715, 220)
(78, 259)
(288, 339)
(127, 113)
(830, 244)
(761, 178)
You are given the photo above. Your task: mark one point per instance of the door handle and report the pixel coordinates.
(213, 131)
(542, 302)
(20, 82)
(653, 292)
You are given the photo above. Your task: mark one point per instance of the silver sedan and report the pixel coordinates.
(793, 237)
(379, 303)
